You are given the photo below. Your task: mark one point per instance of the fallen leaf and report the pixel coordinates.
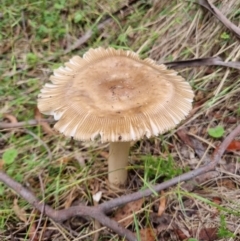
(45, 126)
(11, 118)
(163, 222)
(234, 146)
(227, 119)
(192, 142)
(6, 47)
(32, 233)
(21, 214)
(206, 234)
(217, 200)
(64, 160)
(1, 164)
(127, 211)
(199, 95)
(182, 234)
(162, 204)
(147, 234)
(228, 183)
(230, 120)
(164, 219)
(206, 176)
(182, 134)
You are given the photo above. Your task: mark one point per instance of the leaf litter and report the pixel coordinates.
(125, 214)
(195, 38)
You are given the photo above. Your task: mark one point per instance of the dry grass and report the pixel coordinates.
(70, 171)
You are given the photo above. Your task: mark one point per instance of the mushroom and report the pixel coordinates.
(118, 97)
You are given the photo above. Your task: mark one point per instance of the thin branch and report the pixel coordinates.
(99, 212)
(62, 215)
(211, 8)
(217, 61)
(4, 125)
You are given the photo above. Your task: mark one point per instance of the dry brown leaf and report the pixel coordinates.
(126, 211)
(234, 146)
(217, 200)
(230, 120)
(206, 176)
(193, 143)
(162, 204)
(206, 234)
(1, 164)
(64, 160)
(11, 118)
(227, 119)
(183, 135)
(199, 96)
(228, 183)
(45, 126)
(148, 234)
(181, 234)
(21, 214)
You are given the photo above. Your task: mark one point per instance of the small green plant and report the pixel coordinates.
(225, 36)
(216, 132)
(192, 239)
(2, 188)
(156, 167)
(238, 111)
(223, 231)
(32, 58)
(78, 17)
(9, 156)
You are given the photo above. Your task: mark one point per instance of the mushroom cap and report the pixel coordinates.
(115, 95)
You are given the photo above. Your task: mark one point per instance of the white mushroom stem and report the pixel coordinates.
(117, 162)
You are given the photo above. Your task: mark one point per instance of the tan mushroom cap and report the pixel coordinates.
(115, 95)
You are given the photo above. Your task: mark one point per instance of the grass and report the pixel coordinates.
(33, 39)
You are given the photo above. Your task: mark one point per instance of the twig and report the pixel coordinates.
(211, 8)
(107, 206)
(217, 61)
(62, 215)
(99, 212)
(4, 125)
